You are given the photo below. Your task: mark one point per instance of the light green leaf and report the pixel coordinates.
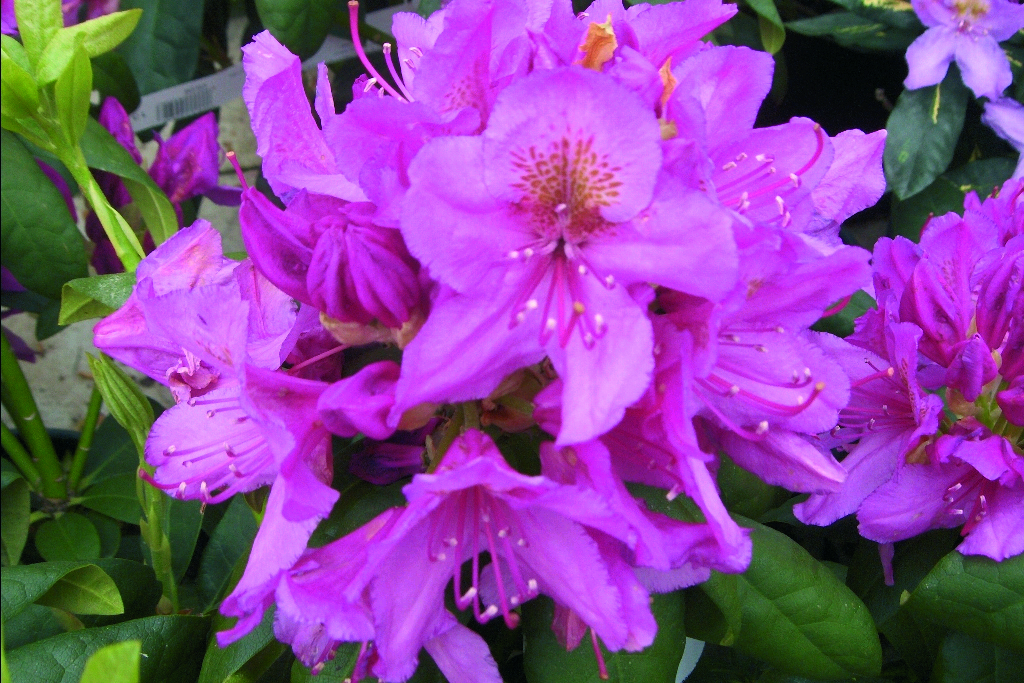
(172, 646)
(72, 92)
(115, 663)
(546, 661)
(139, 589)
(69, 537)
(301, 25)
(976, 595)
(773, 34)
(103, 152)
(14, 519)
(116, 497)
(42, 246)
(94, 297)
(76, 587)
(38, 22)
(164, 49)
(20, 94)
(922, 133)
(97, 36)
(16, 51)
(126, 402)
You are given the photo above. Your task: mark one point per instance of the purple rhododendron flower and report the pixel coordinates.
(1006, 117)
(968, 31)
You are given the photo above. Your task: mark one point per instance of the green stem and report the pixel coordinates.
(121, 235)
(22, 460)
(22, 407)
(85, 440)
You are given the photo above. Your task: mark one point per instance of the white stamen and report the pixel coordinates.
(729, 166)
(762, 427)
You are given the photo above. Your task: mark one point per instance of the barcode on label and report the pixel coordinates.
(193, 102)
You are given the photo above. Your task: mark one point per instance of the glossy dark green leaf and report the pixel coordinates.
(220, 663)
(94, 297)
(72, 93)
(182, 522)
(109, 531)
(357, 505)
(14, 519)
(546, 661)
(898, 13)
(841, 323)
(164, 49)
(428, 7)
(69, 537)
(112, 453)
(33, 623)
(923, 129)
(77, 587)
(114, 663)
(797, 615)
(337, 670)
(947, 194)
(115, 497)
(966, 660)
(744, 493)
(854, 31)
(976, 595)
(105, 153)
(96, 36)
(112, 77)
(41, 244)
(301, 25)
(230, 541)
(172, 646)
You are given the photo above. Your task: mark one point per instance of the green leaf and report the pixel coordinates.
(72, 93)
(115, 497)
(109, 531)
(126, 402)
(773, 33)
(112, 77)
(33, 623)
(112, 453)
(896, 13)
(94, 297)
(20, 93)
(103, 152)
(38, 22)
(137, 585)
(173, 646)
(965, 660)
(97, 36)
(546, 661)
(73, 586)
(69, 537)
(220, 663)
(854, 31)
(841, 323)
(300, 24)
(42, 246)
(182, 523)
(923, 129)
(428, 7)
(14, 519)
(337, 670)
(164, 49)
(115, 663)
(798, 616)
(976, 595)
(947, 194)
(229, 542)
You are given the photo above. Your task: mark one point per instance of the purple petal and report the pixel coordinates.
(929, 56)
(361, 403)
(463, 656)
(983, 65)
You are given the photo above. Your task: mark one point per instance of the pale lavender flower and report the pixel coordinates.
(968, 31)
(1006, 117)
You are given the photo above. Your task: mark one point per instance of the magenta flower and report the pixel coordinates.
(973, 479)
(968, 31)
(391, 575)
(543, 227)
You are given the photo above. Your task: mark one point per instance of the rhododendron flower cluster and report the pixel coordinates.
(564, 225)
